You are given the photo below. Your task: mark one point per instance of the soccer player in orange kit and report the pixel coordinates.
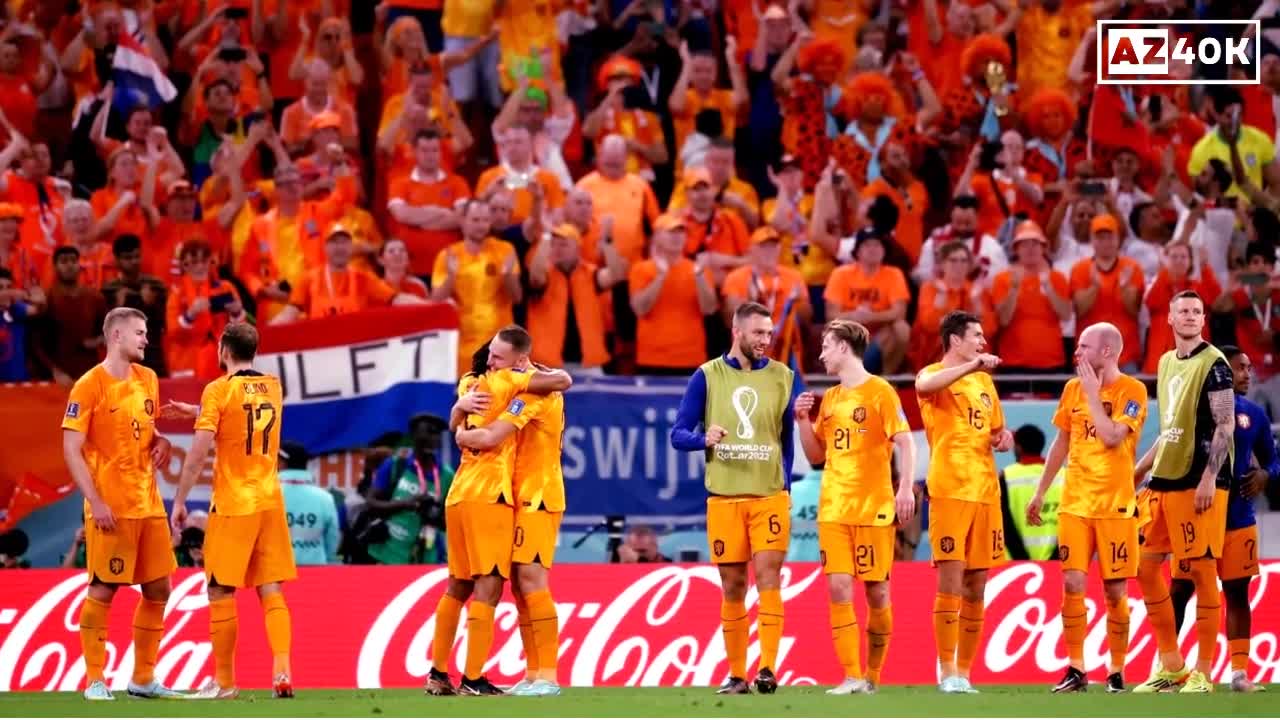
(247, 543)
(1099, 418)
(858, 426)
(964, 423)
(480, 510)
(111, 448)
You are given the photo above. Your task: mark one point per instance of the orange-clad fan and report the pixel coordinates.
(565, 312)
(873, 294)
(1031, 302)
(395, 260)
(518, 173)
(714, 237)
(200, 306)
(1107, 288)
(118, 207)
(765, 280)
(670, 295)
(423, 205)
(31, 188)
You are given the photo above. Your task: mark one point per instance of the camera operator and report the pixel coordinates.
(406, 500)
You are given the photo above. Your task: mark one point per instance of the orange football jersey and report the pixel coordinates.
(118, 419)
(856, 426)
(485, 475)
(539, 476)
(958, 423)
(243, 411)
(1099, 480)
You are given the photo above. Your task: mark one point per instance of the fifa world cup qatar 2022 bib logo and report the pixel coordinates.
(745, 400)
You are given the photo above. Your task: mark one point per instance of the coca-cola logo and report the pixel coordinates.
(643, 636)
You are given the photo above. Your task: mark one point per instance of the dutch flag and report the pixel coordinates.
(139, 80)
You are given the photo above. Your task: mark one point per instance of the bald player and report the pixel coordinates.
(112, 450)
(1099, 419)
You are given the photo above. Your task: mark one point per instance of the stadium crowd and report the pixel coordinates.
(620, 175)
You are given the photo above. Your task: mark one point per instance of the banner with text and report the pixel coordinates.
(637, 625)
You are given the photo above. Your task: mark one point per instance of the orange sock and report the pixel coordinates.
(526, 638)
(846, 639)
(93, 638)
(1075, 618)
(1239, 654)
(479, 638)
(223, 629)
(546, 632)
(970, 635)
(1155, 595)
(1204, 572)
(448, 613)
(946, 630)
(148, 628)
(735, 626)
(1118, 632)
(279, 632)
(879, 630)
(769, 619)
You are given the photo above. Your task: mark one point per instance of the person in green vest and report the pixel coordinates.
(739, 410)
(1191, 466)
(408, 488)
(1024, 541)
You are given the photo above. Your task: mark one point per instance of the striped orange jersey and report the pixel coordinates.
(243, 411)
(1099, 480)
(485, 475)
(958, 422)
(856, 426)
(539, 476)
(118, 419)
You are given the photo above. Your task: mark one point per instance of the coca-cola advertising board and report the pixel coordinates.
(647, 625)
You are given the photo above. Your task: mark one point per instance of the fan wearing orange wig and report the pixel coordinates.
(1053, 150)
(876, 116)
(984, 100)
(808, 99)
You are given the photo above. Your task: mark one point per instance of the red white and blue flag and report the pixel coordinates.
(139, 80)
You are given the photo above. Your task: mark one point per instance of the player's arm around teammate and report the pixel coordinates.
(860, 424)
(112, 450)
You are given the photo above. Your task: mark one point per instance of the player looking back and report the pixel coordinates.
(1099, 419)
(247, 542)
(744, 403)
(1190, 467)
(858, 426)
(111, 448)
(964, 423)
(539, 489)
(480, 510)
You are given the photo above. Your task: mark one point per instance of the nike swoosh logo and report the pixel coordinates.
(114, 409)
(1116, 569)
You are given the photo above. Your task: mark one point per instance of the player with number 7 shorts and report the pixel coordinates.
(247, 542)
(738, 409)
(858, 426)
(1099, 419)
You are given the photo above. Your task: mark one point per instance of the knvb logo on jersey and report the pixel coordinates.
(1186, 52)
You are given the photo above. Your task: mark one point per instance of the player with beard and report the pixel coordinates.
(738, 409)
(112, 450)
(1191, 465)
(858, 426)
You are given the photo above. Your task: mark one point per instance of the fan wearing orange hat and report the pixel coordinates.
(319, 176)
(13, 257)
(1031, 301)
(716, 237)
(765, 280)
(1108, 288)
(670, 295)
(318, 98)
(339, 289)
(564, 289)
(627, 111)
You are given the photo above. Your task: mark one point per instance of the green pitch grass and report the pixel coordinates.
(911, 701)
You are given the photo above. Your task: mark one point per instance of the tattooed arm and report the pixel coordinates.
(1222, 405)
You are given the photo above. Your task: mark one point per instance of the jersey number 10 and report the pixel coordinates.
(251, 416)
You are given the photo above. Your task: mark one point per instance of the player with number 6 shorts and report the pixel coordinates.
(1238, 564)
(1190, 465)
(247, 542)
(854, 435)
(964, 423)
(738, 409)
(1099, 418)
